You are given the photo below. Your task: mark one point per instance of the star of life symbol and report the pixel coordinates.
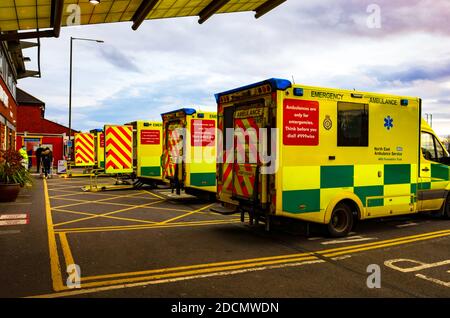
(388, 122)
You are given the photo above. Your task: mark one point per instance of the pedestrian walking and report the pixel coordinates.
(47, 159)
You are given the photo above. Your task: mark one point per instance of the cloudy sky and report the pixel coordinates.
(168, 64)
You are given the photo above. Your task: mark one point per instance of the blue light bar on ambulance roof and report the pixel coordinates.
(404, 102)
(187, 111)
(276, 83)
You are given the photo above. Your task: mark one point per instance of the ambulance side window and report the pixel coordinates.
(427, 146)
(353, 125)
(431, 148)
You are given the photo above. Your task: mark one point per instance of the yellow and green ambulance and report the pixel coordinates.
(99, 147)
(189, 151)
(147, 150)
(336, 156)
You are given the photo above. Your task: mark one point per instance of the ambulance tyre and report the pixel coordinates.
(446, 208)
(341, 221)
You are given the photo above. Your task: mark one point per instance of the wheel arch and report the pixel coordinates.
(350, 199)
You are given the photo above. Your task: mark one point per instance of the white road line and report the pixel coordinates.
(9, 232)
(315, 238)
(421, 266)
(434, 280)
(13, 222)
(13, 216)
(407, 224)
(338, 258)
(349, 239)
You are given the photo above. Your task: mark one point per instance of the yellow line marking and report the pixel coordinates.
(171, 280)
(72, 193)
(66, 249)
(109, 213)
(121, 204)
(390, 244)
(144, 227)
(55, 267)
(155, 195)
(65, 188)
(328, 253)
(187, 214)
(231, 267)
(195, 272)
(96, 201)
(104, 216)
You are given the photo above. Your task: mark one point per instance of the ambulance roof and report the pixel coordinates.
(283, 84)
(276, 83)
(187, 111)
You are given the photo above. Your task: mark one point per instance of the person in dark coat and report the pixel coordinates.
(38, 158)
(30, 161)
(47, 159)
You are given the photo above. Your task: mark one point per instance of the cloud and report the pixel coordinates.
(351, 17)
(118, 59)
(411, 73)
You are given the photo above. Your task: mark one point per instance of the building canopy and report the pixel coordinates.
(45, 17)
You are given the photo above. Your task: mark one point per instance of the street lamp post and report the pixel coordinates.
(70, 89)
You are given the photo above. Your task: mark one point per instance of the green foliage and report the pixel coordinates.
(11, 168)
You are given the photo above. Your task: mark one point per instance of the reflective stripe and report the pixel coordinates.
(119, 149)
(84, 149)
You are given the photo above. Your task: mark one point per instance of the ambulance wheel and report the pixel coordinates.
(446, 211)
(341, 221)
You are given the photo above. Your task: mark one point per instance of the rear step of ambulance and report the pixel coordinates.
(218, 208)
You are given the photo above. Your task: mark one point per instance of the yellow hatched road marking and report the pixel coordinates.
(109, 213)
(155, 195)
(67, 187)
(145, 227)
(111, 196)
(102, 201)
(187, 214)
(104, 216)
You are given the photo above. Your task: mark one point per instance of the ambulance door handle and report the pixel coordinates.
(426, 169)
(331, 157)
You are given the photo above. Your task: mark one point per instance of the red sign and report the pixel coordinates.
(102, 140)
(150, 137)
(203, 132)
(300, 122)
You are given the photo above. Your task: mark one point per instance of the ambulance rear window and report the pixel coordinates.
(353, 125)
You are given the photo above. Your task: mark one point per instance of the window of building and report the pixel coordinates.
(10, 81)
(353, 125)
